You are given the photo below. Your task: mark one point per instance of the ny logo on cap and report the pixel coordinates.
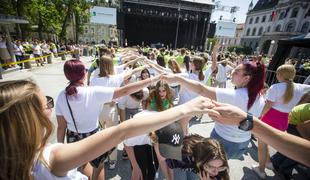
(175, 139)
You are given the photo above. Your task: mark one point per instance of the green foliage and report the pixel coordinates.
(211, 40)
(51, 16)
(240, 49)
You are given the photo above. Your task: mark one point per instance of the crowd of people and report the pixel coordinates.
(145, 99)
(19, 50)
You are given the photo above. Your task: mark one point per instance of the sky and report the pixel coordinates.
(240, 15)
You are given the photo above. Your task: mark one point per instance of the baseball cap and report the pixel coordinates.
(170, 139)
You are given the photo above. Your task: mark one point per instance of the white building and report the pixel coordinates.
(271, 20)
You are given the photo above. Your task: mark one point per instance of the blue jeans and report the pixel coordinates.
(179, 174)
(233, 150)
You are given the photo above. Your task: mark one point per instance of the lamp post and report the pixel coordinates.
(177, 31)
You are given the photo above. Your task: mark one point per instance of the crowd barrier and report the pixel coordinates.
(28, 65)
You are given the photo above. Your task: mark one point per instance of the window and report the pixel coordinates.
(282, 15)
(268, 29)
(251, 20)
(256, 19)
(304, 27)
(260, 31)
(263, 19)
(290, 27)
(278, 28)
(92, 30)
(248, 32)
(294, 12)
(270, 18)
(86, 30)
(254, 32)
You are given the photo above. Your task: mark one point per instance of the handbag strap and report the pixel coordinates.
(71, 114)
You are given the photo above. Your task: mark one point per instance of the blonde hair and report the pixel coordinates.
(106, 66)
(287, 72)
(24, 129)
(176, 68)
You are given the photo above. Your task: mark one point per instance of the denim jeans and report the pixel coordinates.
(179, 174)
(233, 150)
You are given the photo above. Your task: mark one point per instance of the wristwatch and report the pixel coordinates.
(247, 123)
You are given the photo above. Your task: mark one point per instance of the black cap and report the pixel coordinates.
(170, 139)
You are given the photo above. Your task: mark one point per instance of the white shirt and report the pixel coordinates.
(110, 81)
(221, 75)
(86, 107)
(142, 139)
(37, 49)
(187, 94)
(239, 98)
(276, 92)
(117, 69)
(18, 49)
(131, 103)
(40, 171)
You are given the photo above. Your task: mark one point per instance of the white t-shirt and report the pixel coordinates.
(131, 103)
(110, 81)
(37, 49)
(86, 107)
(187, 94)
(276, 92)
(221, 75)
(239, 98)
(117, 69)
(40, 171)
(141, 139)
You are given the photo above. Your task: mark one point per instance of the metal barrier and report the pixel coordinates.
(271, 78)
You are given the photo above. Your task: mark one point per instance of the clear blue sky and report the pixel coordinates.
(240, 15)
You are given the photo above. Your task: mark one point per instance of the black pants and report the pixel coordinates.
(147, 161)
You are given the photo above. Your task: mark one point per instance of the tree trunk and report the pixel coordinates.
(40, 27)
(64, 26)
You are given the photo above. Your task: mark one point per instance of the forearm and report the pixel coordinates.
(266, 108)
(197, 87)
(72, 155)
(292, 146)
(132, 88)
(61, 131)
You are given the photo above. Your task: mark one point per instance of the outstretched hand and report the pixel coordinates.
(227, 114)
(169, 78)
(199, 105)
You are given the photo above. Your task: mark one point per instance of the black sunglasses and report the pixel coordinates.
(50, 102)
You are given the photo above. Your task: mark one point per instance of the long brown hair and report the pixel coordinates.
(204, 150)
(24, 129)
(288, 73)
(106, 66)
(199, 63)
(176, 68)
(154, 95)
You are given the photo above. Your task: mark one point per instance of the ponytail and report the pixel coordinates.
(201, 76)
(289, 92)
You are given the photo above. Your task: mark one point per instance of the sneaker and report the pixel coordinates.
(112, 165)
(124, 155)
(260, 174)
(270, 166)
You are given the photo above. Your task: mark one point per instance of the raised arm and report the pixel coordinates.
(192, 85)
(287, 144)
(134, 87)
(68, 156)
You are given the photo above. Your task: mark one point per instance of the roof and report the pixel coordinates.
(210, 2)
(264, 4)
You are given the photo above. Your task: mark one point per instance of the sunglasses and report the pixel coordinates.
(50, 102)
(210, 168)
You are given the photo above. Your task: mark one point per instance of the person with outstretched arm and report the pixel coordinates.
(292, 146)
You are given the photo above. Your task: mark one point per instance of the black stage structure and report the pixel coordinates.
(174, 23)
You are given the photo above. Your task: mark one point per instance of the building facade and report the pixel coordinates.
(271, 20)
(227, 42)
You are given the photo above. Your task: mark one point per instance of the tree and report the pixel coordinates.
(240, 49)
